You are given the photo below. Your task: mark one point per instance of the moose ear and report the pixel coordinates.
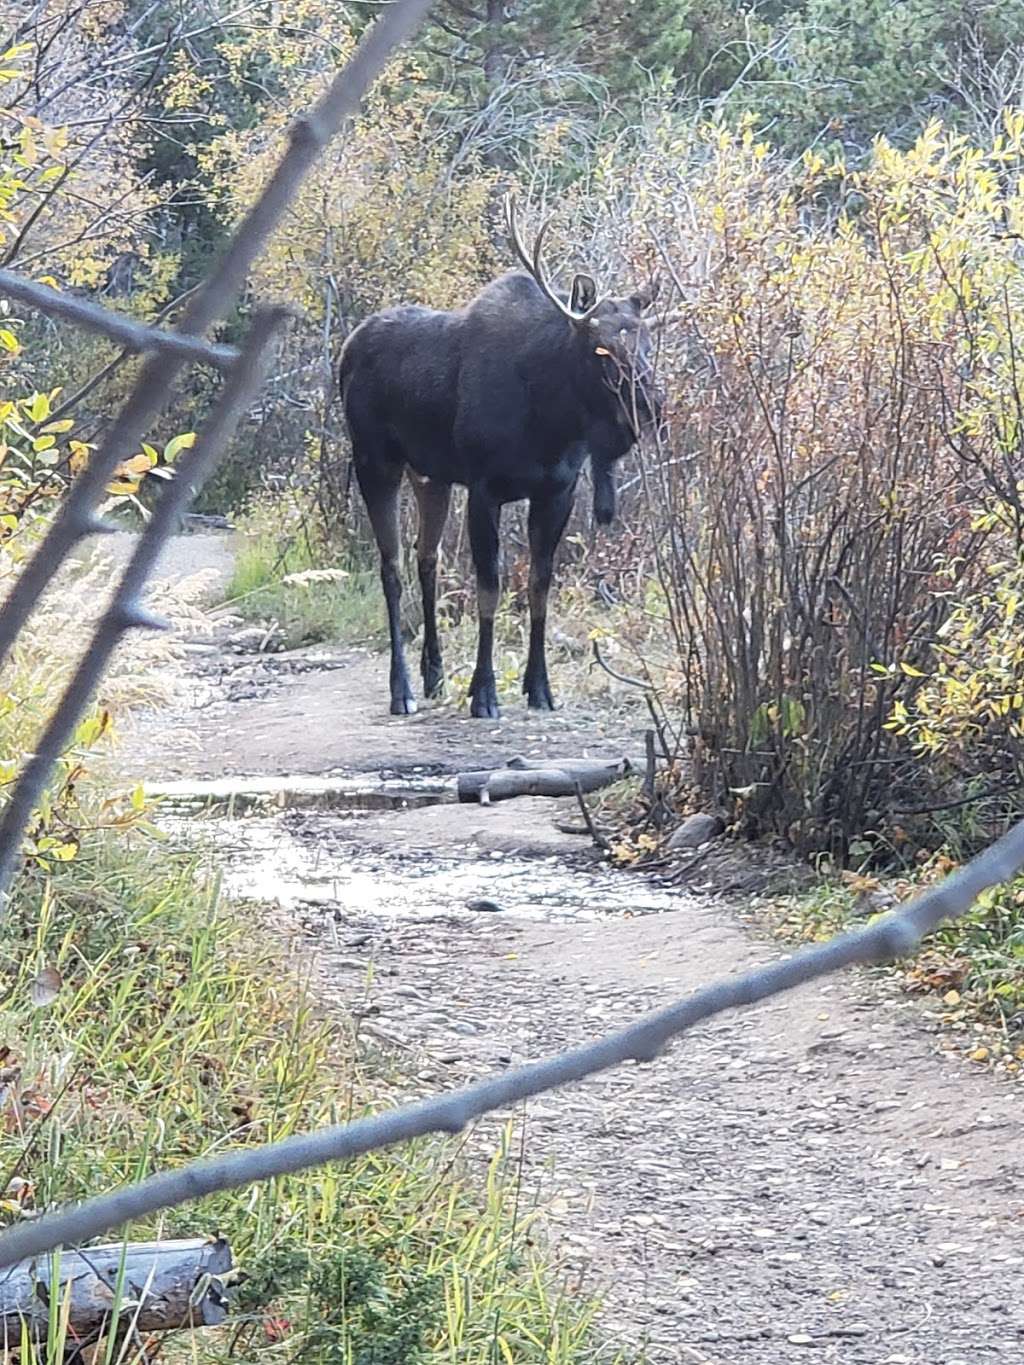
(646, 296)
(584, 293)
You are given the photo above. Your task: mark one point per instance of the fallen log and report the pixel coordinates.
(551, 777)
(569, 765)
(163, 1286)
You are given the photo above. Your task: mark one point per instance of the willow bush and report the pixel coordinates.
(835, 508)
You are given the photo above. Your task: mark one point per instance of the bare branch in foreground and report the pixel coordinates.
(894, 935)
(126, 611)
(133, 336)
(309, 136)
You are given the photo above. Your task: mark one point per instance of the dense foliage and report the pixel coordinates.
(842, 337)
(843, 543)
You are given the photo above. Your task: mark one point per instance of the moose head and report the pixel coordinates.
(616, 348)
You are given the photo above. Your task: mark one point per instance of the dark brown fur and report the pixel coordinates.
(509, 398)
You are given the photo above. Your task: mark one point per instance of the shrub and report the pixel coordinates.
(844, 403)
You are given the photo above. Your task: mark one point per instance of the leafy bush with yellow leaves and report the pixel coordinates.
(845, 390)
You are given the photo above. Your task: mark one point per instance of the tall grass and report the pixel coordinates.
(178, 1031)
(289, 571)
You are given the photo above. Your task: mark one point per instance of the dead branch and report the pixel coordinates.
(156, 1286)
(554, 777)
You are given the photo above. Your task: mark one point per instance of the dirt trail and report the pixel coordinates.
(808, 1179)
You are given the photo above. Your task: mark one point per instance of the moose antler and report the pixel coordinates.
(534, 265)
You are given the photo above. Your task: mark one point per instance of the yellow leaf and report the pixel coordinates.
(910, 671)
(951, 998)
(980, 1054)
(138, 464)
(37, 407)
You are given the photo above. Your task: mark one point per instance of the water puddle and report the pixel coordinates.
(322, 860)
(235, 796)
(312, 841)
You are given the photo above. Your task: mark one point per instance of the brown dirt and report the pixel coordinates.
(812, 1178)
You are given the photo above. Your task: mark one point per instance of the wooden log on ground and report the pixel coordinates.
(570, 765)
(163, 1286)
(553, 777)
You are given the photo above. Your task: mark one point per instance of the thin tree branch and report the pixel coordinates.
(309, 137)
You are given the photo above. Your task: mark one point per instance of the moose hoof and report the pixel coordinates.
(540, 701)
(484, 705)
(403, 706)
(538, 696)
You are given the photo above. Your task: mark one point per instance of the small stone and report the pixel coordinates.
(696, 830)
(484, 907)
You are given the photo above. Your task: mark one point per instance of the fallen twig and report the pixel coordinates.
(600, 841)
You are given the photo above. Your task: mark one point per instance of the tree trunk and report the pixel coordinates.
(494, 45)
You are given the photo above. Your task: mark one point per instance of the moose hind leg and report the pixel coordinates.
(547, 523)
(484, 521)
(433, 500)
(381, 488)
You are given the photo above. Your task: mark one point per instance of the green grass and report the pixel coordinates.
(974, 965)
(308, 612)
(178, 1031)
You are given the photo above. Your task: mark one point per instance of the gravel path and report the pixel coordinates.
(805, 1178)
(810, 1179)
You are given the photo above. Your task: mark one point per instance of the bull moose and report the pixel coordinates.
(507, 396)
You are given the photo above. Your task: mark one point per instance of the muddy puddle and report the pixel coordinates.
(300, 842)
(232, 796)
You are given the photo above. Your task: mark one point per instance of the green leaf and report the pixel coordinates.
(37, 407)
(9, 341)
(88, 731)
(177, 444)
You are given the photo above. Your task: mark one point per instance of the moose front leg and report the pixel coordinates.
(547, 523)
(484, 522)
